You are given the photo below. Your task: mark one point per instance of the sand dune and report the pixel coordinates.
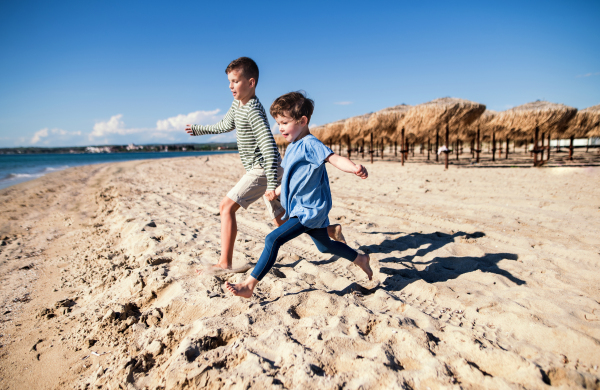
(484, 278)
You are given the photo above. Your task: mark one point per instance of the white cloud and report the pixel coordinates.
(275, 128)
(589, 74)
(39, 135)
(342, 103)
(312, 125)
(113, 126)
(177, 123)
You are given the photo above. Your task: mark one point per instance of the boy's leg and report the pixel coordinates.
(325, 245)
(335, 233)
(228, 208)
(292, 228)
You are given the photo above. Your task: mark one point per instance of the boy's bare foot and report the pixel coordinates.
(363, 262)
(243, 289)
(335, 233)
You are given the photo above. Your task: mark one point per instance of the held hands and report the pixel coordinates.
(270, 195)
(188, 129)
(361, 171)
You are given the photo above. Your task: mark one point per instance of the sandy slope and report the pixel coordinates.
(483, 278)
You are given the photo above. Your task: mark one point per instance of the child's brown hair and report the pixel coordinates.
(293, 104)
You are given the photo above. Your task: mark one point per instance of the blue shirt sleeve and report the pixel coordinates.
(317, 152)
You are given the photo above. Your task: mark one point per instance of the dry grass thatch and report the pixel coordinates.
(423, 119)
(520, 122)
(319, 132)
(586, 123)
(483, 123)
(355, 126)
(384, 122)
(333, 131)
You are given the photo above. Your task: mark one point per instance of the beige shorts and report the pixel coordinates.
(251, 187)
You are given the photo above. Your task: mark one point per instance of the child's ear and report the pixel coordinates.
(252, 82)
(303, 121)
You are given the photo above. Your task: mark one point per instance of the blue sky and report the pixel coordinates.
(86, 72)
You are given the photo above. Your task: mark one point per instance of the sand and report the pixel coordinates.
(483, 278)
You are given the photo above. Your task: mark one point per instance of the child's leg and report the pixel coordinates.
(228, 208)
(325, 245)
(291, 229)
(335, 233)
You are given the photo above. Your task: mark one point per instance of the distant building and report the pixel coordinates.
(94, 149)
(134, 147)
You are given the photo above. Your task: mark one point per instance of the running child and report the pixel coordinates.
(258, 153)
(304, 191)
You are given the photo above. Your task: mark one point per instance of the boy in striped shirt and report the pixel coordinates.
(258, 152)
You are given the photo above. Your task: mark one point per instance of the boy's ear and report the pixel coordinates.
(252, 82)
(304, 120)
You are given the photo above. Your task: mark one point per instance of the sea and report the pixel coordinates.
(17, 168)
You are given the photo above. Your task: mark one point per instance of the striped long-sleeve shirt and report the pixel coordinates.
(254, 138)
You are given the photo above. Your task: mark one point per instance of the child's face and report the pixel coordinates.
(289, 128)
(241, 87)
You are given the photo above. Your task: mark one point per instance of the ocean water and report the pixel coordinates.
(17, 168)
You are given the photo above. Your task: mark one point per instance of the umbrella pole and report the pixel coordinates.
(543, 148)
(371, 148)
(535, 146)
(428, 147)
(493, 146)
(437, 144)
(447, 144)
(382, 147)
(402, 146)
(349, 147)
(507, 143)
(457, 147)
(395, 148)
(571, 149)
(363, 148)
(478, 145)
(548, 157)
(587, 145)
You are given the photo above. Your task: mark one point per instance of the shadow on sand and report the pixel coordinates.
(438, 269)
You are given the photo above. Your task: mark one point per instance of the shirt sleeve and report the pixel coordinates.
(266, 144)
(223, 126)
(317, 153)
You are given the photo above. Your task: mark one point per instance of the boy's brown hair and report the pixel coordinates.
(248, 67)
(293, 104)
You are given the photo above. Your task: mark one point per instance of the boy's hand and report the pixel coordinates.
(188, 129)
(271, 195)
(361, 172)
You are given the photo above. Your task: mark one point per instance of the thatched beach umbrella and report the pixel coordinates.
(521, 121)
(585, 124)
(453, 113)
(383, 123)
(481, 126)
(281, 143)
(354, 128)
(333, 132)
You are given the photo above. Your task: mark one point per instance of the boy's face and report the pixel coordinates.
(241, 87)
(289, 128)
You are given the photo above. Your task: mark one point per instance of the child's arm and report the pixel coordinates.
(273, 194)
(346, 165)
(223, 126)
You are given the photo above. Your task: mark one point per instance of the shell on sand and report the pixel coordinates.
(425, 118)
(519, 122)
(586, 123)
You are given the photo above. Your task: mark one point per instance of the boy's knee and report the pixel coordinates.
(228, 206)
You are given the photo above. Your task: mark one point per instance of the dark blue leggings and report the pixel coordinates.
(291, 229)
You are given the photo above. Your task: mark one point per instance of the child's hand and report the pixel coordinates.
(188, 129)
(361, 172)
(271, 195)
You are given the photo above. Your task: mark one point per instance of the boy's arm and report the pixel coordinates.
(223, 126)
(266, 145)
(346, 165)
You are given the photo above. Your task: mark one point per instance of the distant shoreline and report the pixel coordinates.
(130, 148)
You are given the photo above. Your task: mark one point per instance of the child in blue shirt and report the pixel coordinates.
(304, 191)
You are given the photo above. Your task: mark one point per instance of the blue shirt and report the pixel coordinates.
(305, 189)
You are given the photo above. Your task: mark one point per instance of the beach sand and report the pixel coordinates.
(483, 278)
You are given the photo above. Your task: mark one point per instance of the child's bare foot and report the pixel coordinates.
(243, 289)
(363, 262)
(335, 233)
